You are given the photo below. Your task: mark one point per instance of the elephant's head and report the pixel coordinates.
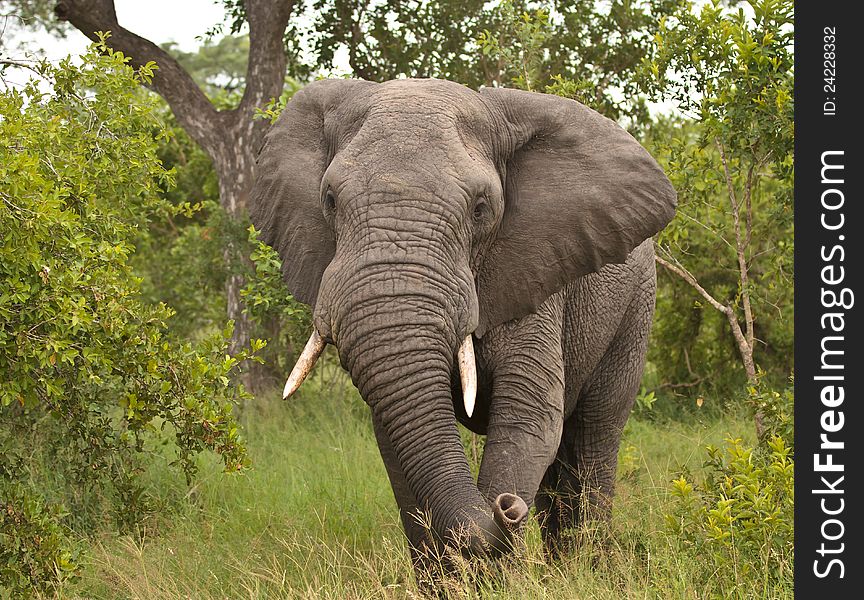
(415, 213)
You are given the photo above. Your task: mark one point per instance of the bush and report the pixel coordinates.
(36, 552)
(739, 520)
(271, 306)
(90, 370)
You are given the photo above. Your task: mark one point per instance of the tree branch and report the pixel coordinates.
(193, 110)
(745, 348)
(706, 228)
(356, 38)
(683, 384)
(265, 71)
(5, 62)
(748, 206)
(687, 276)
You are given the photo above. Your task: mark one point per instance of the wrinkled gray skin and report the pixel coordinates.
(412, 213)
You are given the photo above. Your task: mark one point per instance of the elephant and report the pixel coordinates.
(475, 256)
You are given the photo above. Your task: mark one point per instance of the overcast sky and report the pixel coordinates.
(159, 21)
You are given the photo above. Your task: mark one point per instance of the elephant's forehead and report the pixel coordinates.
(432, 105)
(435, 157)
(432, 88)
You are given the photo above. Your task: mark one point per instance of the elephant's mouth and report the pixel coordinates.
(316, 344)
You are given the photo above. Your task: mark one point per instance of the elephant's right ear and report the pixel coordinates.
(285, 204)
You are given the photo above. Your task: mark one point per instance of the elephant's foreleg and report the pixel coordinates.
(527, 402)
(580, 484)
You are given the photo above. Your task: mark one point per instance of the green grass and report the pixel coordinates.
(315, 518)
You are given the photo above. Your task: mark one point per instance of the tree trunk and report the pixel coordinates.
(234, 162)
(744, 347)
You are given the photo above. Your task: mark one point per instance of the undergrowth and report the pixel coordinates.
(315, 518)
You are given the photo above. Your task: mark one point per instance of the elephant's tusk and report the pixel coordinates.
(468, 374)
(313, 349)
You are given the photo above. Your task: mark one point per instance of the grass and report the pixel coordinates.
(315, 518)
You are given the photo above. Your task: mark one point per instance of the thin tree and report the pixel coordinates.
(733, 75)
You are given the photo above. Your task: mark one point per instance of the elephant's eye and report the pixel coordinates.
(329, 201)
(480, 209)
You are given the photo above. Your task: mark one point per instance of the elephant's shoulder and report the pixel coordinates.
(611, 288)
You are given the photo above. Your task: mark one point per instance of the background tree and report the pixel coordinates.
(598, 45)
(218, 67)
(229, 136)
(733, 167)
(30, 15)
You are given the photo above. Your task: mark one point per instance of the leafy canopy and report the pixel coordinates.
(597, 45)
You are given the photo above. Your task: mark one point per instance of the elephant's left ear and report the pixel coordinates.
(580, 193)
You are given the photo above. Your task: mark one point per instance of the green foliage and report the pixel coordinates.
(731, 163)
(777, 410)
(266, 293)
(523, 48)
(740, 517)
(519, 46)
(218, 67)
(645, 401)
(274, 107)
(294, 39)
(387, 39)
(270, 304)
(180, 254)
(181, 262)
(90, 371)
(519, 50)
(734, 74)
(597, 46)
(36, 552)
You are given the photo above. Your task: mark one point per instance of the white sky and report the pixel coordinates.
(188, 19)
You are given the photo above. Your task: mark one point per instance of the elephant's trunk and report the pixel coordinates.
(400, 347)
(510, 511)
(409, 391)
(314, 348)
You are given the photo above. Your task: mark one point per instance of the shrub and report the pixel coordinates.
(36, 552)
(90, 371)
(739, 520)
(270, 304)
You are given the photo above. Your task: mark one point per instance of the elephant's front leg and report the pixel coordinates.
(525, 361)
